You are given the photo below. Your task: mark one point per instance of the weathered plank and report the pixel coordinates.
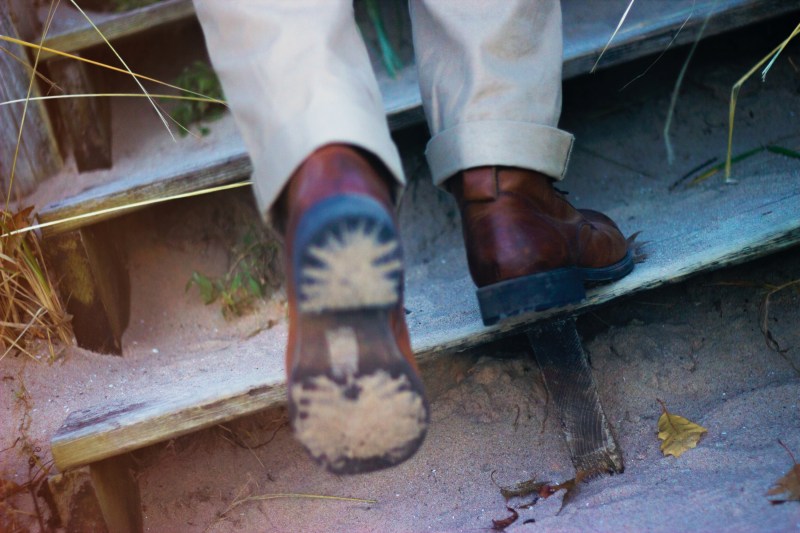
(70, 32)
(108, 430)
(650, 26)
(94, 285)
(742, 230)
(592, 445)
(693, 238)
(118, 494)
(39, 155)
(87, 121)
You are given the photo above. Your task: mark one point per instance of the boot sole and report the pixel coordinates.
(545, 290)
(355, 402)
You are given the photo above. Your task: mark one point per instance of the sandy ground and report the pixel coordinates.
(697, 346)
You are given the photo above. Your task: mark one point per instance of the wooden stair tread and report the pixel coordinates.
(649, 28)
(687, 235)
(70, 31)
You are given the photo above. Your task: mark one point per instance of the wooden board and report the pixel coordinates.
(185, 166)
(745, 227)
(70, 32)
(651, 25)
(36, 149)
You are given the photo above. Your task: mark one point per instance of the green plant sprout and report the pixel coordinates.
(198, 77)
(250, 276)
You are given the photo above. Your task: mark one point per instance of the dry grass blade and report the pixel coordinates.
(664, 51)
(139, 83)
(678, 82)
(771, 57)
(123, 95)
(49, 20)
(26, 229)
(59, 53)
(29, 306)
(279, 495)
(110, 95)
(616, 30)
(772, 343)
(241, 499)
(25, 64)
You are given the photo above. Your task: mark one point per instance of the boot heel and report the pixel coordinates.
(347, 256)
(526, 294)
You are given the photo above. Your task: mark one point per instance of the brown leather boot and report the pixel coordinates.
(528, 248)
(355, 397)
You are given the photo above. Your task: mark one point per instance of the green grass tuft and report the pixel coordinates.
(198, 77)
(251, 276)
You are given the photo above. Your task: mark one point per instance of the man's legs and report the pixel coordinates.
(490, 77)
(298, 79)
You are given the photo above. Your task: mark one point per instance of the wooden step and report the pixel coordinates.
(71, 32)
(685, 238)
(187, 165)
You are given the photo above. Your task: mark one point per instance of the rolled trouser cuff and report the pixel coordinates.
(504, 143)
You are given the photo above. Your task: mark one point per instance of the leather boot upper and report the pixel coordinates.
(516, 224)
(333, 170)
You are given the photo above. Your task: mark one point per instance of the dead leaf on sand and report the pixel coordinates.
(789, 485)
(678, 433)
(544, 489)
(525, 488)
(500, 525)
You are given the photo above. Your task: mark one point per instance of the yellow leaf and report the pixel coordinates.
(678, 433)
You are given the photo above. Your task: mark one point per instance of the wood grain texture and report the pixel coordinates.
(94, 284)
(94, 434)
(572, 389)
(39, 155)
(70, 32)
(118, 494)
(763, 226)
(87, 121)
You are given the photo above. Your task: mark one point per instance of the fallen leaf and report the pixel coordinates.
(500, 525)
(572, 488)
(788, 484)
(544, 489)
(678, 433)
(524, 488)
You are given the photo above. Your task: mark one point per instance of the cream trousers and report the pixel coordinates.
(297, 77)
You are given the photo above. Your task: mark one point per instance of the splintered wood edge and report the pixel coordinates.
(91, 435)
